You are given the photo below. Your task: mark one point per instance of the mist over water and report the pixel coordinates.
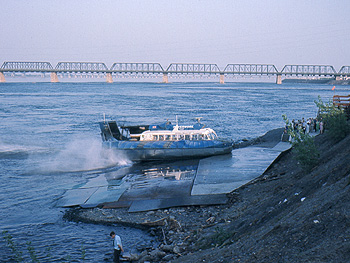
(50, 142)
(83, 154)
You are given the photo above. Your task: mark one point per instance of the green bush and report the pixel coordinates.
(307, 152)
(304, 146)
(335, 120)
(17, 254)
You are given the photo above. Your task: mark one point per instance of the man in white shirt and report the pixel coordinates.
(117, 245)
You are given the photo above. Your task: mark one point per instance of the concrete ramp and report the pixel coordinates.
(225, 173)
(151, 186)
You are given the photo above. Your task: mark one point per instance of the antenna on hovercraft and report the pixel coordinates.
(198, 119)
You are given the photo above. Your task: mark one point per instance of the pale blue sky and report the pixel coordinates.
(190, 31)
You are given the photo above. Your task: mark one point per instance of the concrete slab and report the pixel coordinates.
(106, 179)
(154, 204)
(98, 181)
(75, 197)
(158, 188)
(104, 195)
(119, 204)
(223, 174)
(282, 146)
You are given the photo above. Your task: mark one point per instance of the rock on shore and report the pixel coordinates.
(285, 215)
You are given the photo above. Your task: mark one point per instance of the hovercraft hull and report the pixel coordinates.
(181, 150)
(169, 143)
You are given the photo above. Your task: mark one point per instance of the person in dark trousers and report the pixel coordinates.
(117, 246)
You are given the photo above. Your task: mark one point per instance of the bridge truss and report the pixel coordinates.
(176, 70)
(250, 69)
(26, 67)
(136, 70)
(81, 67)
(308, 70)
(179, 68)
(344, 71)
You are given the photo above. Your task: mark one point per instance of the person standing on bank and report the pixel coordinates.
(117, 245)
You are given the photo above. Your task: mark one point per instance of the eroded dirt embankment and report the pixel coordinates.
(288, 215)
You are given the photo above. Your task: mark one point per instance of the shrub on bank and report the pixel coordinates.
(335, 120)
(337, 128)
(304, 146)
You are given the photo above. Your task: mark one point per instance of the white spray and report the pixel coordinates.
(84, 155)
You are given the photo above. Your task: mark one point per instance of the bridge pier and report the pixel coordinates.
(165, 78)
(279, 79)
(109, 78)
(222, 78)
(54, 77)
(2, 77)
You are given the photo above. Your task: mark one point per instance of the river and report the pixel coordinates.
(50, 142)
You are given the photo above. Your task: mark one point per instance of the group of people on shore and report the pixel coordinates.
(309, 125)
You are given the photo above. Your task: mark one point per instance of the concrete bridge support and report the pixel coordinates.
(222, 78)
(165, 78)
(54, 77)
(109, 78)
(279, 79)
(2, 77)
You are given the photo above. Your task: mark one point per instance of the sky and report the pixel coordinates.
(278, 32)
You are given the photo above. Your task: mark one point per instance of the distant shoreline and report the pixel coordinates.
(328, 81)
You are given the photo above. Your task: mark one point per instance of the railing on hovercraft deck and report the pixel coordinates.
(341, 101)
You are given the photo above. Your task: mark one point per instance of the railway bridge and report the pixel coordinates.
(174, 70)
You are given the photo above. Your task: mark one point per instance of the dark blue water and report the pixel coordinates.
(50, 141)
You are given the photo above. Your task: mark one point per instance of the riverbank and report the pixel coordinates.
(285, 215)
(327, 81)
